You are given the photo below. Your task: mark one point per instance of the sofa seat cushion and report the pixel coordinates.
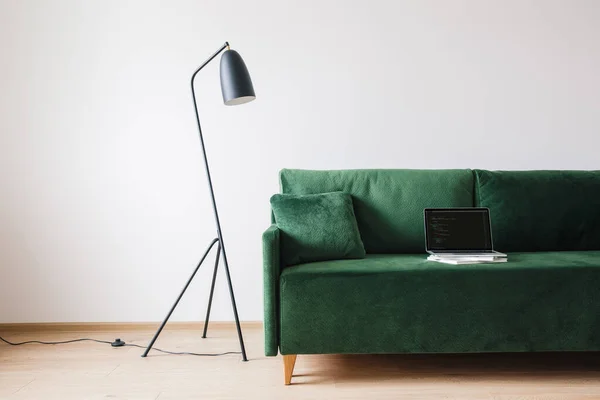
(405, 304)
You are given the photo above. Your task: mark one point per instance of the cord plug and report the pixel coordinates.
(117, 343)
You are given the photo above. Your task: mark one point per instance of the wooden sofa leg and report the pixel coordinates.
(288, 367)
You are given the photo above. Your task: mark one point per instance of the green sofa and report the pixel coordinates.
(546, 298)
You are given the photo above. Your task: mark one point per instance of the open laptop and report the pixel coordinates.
(459, 232)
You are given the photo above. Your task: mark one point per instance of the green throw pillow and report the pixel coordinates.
(317, 227)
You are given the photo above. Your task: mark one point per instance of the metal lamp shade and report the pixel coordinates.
(236, 84)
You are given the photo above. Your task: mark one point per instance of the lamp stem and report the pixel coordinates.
(214, 204)
(226, 45)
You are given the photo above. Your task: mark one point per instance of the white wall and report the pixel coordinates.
(104, 205)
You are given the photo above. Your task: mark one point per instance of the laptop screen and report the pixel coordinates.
(458, 229)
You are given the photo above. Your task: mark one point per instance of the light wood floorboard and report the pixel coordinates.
(96, 371)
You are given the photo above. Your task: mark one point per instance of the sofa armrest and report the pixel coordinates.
(271, 270)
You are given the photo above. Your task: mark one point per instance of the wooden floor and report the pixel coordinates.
(98, 371)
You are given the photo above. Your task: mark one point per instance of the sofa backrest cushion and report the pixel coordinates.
(388, 203)
(541, 210)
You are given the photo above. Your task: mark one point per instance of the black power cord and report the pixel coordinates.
(118, 343)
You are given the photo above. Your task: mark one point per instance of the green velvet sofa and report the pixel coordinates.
(546, 298)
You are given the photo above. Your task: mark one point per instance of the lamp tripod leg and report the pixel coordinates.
(212, 290)
(179, 298)
(235, 313)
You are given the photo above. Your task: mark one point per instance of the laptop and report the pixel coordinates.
(459, 232)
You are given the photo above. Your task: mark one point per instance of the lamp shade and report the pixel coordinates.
(236, 84)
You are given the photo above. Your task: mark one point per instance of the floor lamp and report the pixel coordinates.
(237, 88)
